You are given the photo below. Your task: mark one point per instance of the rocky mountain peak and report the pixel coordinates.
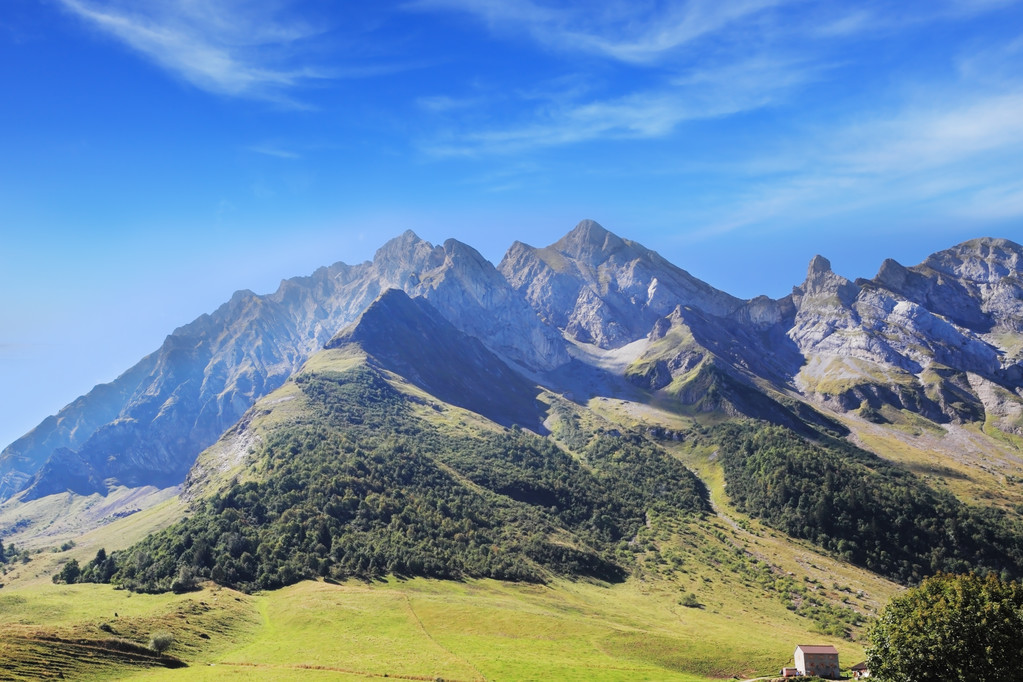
(982, 261)
(588, 239)
(819, 265)
(822, 282)
(407, 252)
(892, 274)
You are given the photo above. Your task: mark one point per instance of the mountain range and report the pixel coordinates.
(589, 327)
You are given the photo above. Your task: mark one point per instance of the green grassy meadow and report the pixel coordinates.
(417, 629)
(752, 590)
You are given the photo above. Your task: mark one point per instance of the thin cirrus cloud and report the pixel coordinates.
(963, 156)
(220, 46)
(698, 94)
(919, 138)
(273, 151)
(633, 32)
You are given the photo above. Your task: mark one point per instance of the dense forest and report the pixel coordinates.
(871, 512)
(363, 488)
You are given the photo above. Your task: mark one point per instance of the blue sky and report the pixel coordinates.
(158, 155)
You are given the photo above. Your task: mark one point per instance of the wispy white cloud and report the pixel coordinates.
(936, 135)
(994, 202)
(920, 138)
(444, 103)
(227, 47)
(636, 32)
(698, 94)
(963, 155)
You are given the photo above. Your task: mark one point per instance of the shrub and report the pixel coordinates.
(161, 641)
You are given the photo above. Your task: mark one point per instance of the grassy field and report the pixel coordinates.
(709, 599)
(417, 629)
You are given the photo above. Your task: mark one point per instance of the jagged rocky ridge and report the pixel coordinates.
(942, 339)
(148, 425)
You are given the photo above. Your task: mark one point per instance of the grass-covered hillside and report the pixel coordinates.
(352, 482)
(360, 486)
(355, 526)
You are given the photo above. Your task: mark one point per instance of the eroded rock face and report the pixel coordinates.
(605, 290)
(911, 335)
(147, 426)
(977, 284)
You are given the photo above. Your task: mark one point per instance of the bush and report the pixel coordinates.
(161, 641)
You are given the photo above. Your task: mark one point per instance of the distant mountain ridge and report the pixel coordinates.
(941, 339)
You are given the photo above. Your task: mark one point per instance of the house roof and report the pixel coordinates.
(859, 666)
(817, 649)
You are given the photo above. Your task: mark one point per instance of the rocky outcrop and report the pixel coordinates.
(910, 337)
(604, 290)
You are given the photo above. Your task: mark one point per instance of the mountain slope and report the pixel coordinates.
(357, 480)
(410, 338)
(147, 427)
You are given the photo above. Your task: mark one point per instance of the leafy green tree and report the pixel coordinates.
(69, 574)
(952, 628)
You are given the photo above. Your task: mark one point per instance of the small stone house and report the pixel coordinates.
(817, 659)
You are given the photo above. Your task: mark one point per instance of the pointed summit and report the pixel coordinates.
(821, 281)
(587, 239)
(604, 290)
(892, 274)
(404, 252)
(819, 265)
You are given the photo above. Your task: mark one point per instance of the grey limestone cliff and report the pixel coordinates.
(605, 290)
(147, 426)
